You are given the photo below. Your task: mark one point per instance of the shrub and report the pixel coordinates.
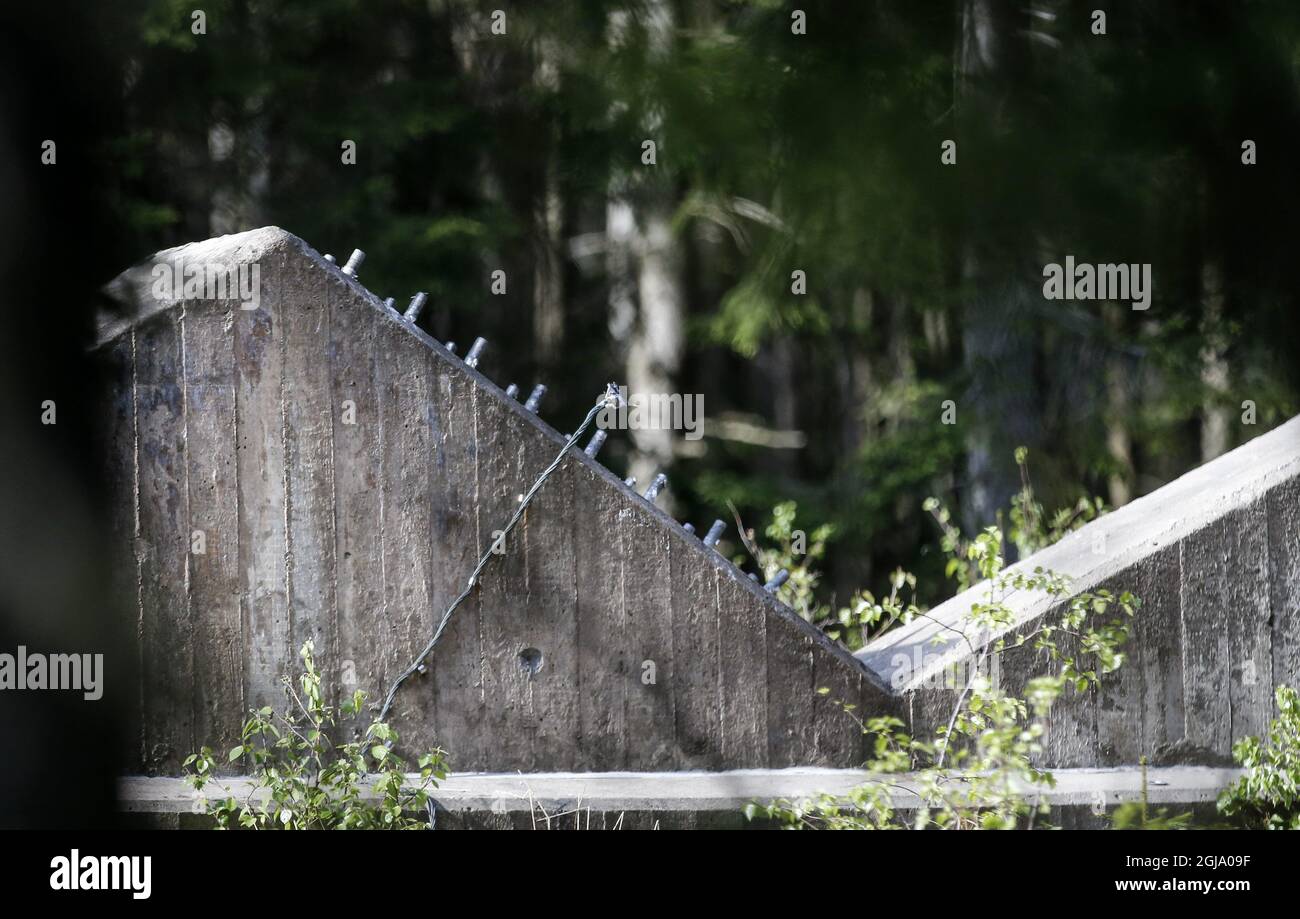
(977, 771)
(867, 615)
(302, 780)
(1268, 795)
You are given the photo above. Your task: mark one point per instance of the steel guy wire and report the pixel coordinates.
(610, 396)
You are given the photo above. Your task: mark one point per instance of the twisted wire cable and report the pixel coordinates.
(610, 394)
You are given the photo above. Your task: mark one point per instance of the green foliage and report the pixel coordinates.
(867, 615)
(977, 771)
(796, 551)
(1030, 529)
(908, 460)
(751, 313)
(1268, 795)
(301, 780)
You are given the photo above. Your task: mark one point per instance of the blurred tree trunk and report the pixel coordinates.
(1215, 416)
(548, 226)
(654, 350)
(1000, 409)
(856, 384)
(241, 159)
(646, 270)
(480, 64)
(239, 154)
(1119, 443)
(781, 372)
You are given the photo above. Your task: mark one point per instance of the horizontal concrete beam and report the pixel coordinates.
(707, 792)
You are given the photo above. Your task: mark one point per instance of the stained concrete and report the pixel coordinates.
(345, 471)
(1215, 558)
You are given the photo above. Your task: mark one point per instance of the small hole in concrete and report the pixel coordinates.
(531, 660)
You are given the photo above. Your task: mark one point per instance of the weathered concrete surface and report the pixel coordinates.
(701, 799)
(342, 472)
(1214, 557)
(316, 468)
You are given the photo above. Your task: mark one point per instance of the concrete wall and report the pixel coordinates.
(230, 423)
(1215, 558)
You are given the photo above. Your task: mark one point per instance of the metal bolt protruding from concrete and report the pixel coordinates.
(389, 302)
(630, 481)
(450, 346)
(329, 258)
(416, 307)
(780, 578)
(475, 352)
(512, 391)
(715, 533)
(655, 487)
(535, 397)
(596, 442)
(689, 528)
(354, 263)
(753, 577)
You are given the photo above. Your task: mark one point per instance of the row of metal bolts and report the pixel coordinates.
(412, 313)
